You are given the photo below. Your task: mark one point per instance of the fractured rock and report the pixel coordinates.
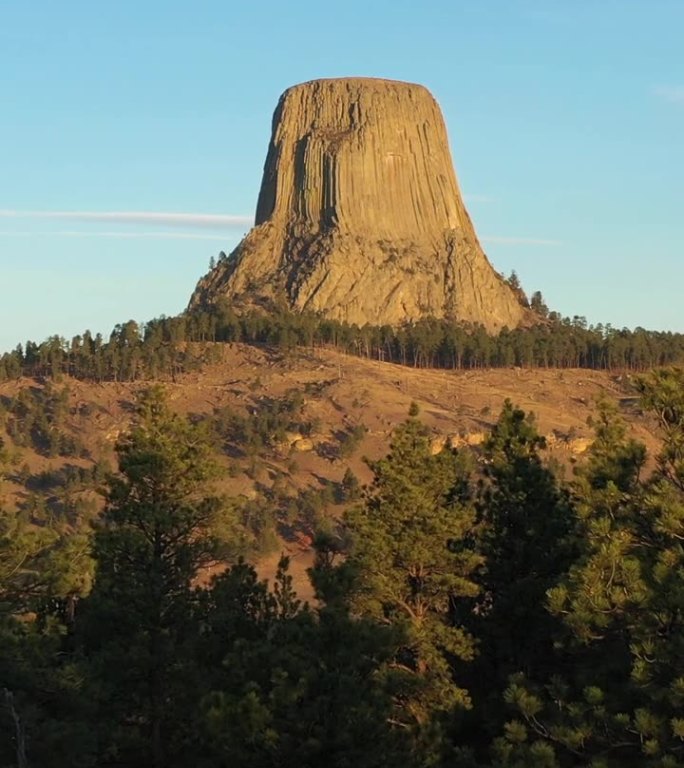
(360, 217)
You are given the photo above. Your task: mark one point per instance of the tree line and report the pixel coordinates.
(472, 610)
(168, 346)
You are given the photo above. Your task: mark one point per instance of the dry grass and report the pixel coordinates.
(341, 392)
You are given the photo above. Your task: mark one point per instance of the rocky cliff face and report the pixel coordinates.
(360, 217)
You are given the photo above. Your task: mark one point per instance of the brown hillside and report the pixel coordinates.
(340, 393)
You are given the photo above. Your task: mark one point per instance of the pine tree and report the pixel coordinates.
(41, 570)
(409, 564)
(526, 526)
(290, 685)
(617, 700)
(157, 531)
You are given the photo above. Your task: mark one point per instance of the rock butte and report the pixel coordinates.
(360, 217)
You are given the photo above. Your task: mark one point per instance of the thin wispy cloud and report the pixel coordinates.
(508, 240)
(120, 235)
(189, 221)
(491, 239)
(674, 94)
(199, 220)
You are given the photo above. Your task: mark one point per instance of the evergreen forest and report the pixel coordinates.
(473, 608)
(172, 345)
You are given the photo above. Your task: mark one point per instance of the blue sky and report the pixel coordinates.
(565, 121)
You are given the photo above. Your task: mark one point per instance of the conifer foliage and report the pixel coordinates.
(474, 609)
(411, 560)
(155, 536)
(167, 346)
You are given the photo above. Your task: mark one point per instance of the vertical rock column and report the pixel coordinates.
(360, 216)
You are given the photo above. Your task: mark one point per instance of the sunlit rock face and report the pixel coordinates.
(360, 217)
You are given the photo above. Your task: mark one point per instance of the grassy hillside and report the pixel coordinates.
(289, 427)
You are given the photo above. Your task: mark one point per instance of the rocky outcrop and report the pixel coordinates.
(360, 217)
